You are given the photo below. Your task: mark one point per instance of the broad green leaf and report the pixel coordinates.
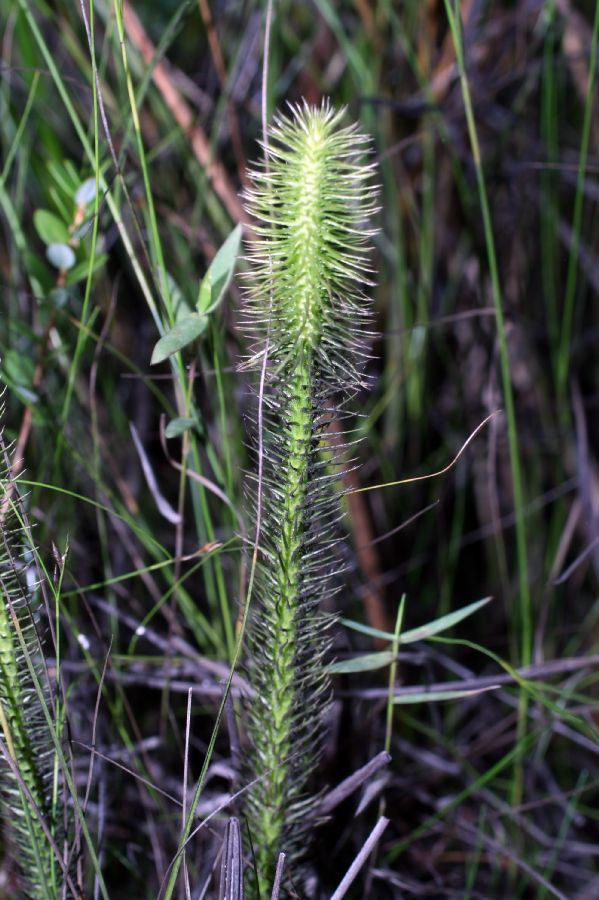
(19, 367)
(366, 663)
(17, 371)
(205, 296)
(176, 427)
(180, 335)
(435, 696)
(423, 631)
(50, 228)
(219, 274)
(181, 308)
(61, 256)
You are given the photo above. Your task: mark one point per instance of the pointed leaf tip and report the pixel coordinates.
(219, 274)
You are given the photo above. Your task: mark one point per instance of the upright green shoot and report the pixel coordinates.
(306, 309)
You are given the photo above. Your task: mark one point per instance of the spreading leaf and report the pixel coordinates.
(50, 228)
(435, 696)
(17, 371)
(219, 274)
(205, 295)
(180, 335)
(61, 256)
(423, 631)
(176, 427)
(366, 663)
(442, 624)
(181, 308)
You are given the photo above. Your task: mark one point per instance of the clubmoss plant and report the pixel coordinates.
(31, 804)
(311, 198)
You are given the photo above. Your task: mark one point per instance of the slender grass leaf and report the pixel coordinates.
(81, 270)
(442, 624)
(435, 696)
(65, 175)
(423, 631)
(366, 663)
(366, 629)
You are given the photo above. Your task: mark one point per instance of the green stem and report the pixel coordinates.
(525, 605)
(270, 723)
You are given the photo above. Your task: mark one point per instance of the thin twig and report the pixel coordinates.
(276, 888)
(352, 783)
(354, 869)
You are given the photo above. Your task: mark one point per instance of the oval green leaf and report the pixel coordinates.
(50, 228)
(180, 335)
(176, 427)
(219, 274)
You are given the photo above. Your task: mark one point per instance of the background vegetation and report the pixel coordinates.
(125, 133)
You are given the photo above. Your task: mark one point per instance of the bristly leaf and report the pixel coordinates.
(28, 792)
(312, 198)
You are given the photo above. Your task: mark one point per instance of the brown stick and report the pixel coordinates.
(221, 71)
(183, 116)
